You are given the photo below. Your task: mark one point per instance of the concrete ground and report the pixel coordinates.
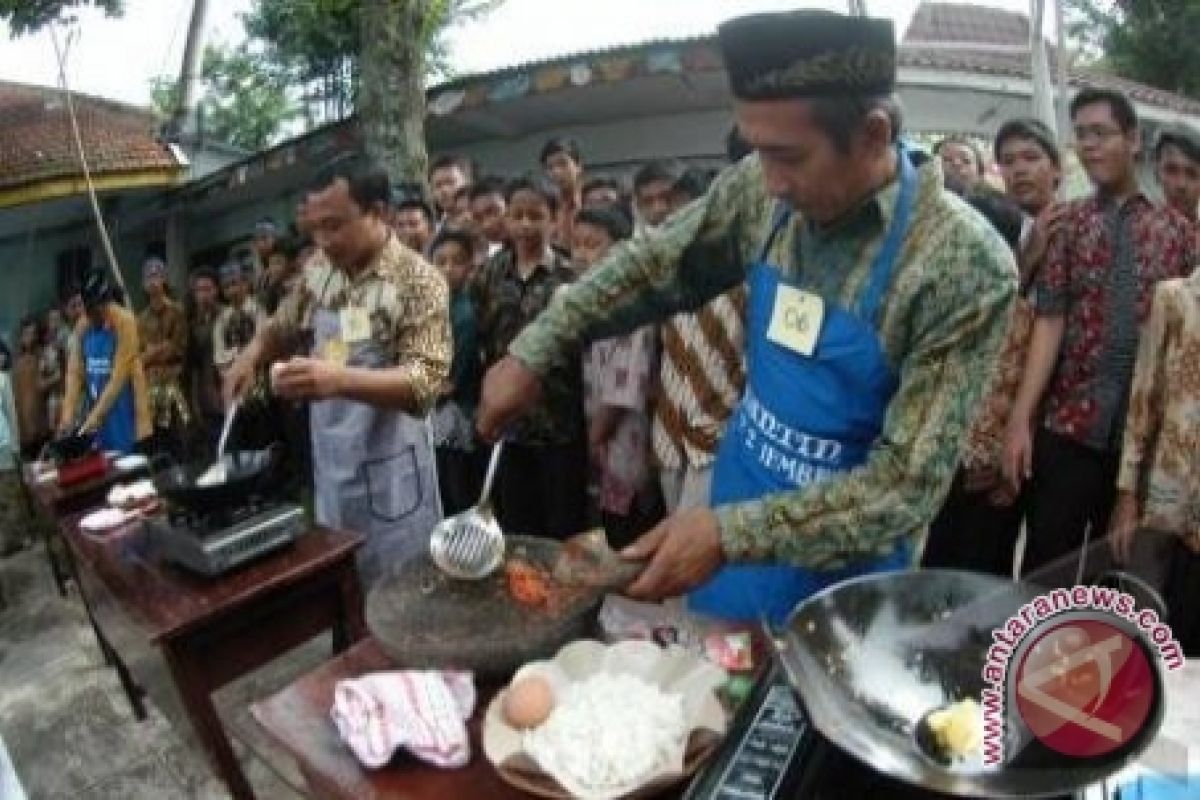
(69, 728)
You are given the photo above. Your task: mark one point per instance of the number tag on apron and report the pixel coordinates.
(796, 319)
(355, 324)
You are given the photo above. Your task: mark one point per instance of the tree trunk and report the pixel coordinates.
(183, 121)
(391, 108)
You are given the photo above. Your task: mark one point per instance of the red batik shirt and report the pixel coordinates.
(1100, 274)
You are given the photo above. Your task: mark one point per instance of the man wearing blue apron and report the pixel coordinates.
(877, 305)
(377, 315)
(105, 366)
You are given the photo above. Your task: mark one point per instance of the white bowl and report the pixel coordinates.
(671, 669)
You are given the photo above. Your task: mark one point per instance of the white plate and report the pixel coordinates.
(130, 463)
(103, 520)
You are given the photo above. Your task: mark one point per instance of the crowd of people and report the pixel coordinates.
(1089, 425)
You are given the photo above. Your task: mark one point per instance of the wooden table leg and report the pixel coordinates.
(196, 695)
(349, 626)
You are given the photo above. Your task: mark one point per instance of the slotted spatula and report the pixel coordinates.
(470, 545)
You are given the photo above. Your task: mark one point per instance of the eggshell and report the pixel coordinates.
(528, 702)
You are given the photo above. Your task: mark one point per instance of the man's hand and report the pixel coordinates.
(683, 551)
(1123, 527)
(1018, 453)
(509, 389)
(1046, 226)
(308, 379)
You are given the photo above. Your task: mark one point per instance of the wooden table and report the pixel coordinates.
(182, 637)
(297, 719)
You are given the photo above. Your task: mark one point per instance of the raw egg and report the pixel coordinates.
(528, 702)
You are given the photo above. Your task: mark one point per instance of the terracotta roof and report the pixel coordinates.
(36, 143)
(957, 36)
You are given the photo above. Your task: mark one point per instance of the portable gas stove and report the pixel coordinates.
(772, 752)
(217, 541)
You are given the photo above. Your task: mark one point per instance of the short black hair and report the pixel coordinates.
(1029, 129)
(1000, 210)
(420, 204)
(30, 319)
(288, 246)
(1122, 110)
(1180, 137)
(840, 117)
(487, 185)
(955, 138)
(736, 147)
(458, 236)
(407, 190)
(536, 184)
(602, 182)
(693, 182)
(368, 182)
(660, 169)
(561, 144)
(204, 273)
(610, 220)
(463, 191)
(453, 161)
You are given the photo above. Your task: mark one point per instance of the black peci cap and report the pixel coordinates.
(808, 53)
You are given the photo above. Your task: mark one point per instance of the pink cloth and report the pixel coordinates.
(423, 712)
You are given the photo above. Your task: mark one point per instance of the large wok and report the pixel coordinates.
(872, 656)
(246, 473)
(72, 447)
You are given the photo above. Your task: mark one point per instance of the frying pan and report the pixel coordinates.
(245, 474)
(71, 447)
(872, 656)
(424, 619)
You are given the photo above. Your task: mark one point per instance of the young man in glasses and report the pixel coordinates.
(1091, 298)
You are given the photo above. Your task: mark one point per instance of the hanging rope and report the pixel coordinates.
(113, 266)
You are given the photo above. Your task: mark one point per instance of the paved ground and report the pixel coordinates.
(69, 728)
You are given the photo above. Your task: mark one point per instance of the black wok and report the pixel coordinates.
(71, 447)
(246, 472)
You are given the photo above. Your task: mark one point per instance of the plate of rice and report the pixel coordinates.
(624, 720)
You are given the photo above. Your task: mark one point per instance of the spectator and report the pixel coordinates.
(414, 224)
(14, 523)
(1177, 165)
(52, 366)
(460, 213)
(162, 330)
(459, 474)
(601, 192)
(447, 175)
(618, 377)
(656, 187)
(562, 162)
(30, 420)
(542, 483)
(266, 237)
(236, 325)
(962, 161)
(204, 381)
(488, 212)
(283, 268)
(1094, 292)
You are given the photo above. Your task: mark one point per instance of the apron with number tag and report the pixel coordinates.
(373, 468)
(818, 386)
(118, 429)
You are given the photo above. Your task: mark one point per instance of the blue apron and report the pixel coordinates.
(802, 419)
(118, 430)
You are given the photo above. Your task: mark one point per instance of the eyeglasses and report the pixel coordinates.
(1095, 133)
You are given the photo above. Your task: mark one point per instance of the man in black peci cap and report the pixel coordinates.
(877, 305)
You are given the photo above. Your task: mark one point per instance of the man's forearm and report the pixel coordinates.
(384, 388)
(1044, 346)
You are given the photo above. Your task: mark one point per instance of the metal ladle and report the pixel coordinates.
(470, 545)
(216, 474)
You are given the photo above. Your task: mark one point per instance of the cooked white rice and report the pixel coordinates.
(608, 731)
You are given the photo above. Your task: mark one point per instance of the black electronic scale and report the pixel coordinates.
(772, 752)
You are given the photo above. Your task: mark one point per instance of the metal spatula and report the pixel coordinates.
(216, 473)
(470, 545)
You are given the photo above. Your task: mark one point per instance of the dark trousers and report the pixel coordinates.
(1181, 592)
(542, 490)
(1073, 488)
(460, 477)
(972, 534)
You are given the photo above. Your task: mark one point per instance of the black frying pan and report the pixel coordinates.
(245, 473)
(71, 447)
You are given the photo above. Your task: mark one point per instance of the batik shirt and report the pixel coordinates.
(409, 308)
(942, 324)
(169, 327)
(1160, 459)
(1100, 273)
(506, 303)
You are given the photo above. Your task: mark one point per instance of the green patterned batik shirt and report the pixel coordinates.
(942, 324)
